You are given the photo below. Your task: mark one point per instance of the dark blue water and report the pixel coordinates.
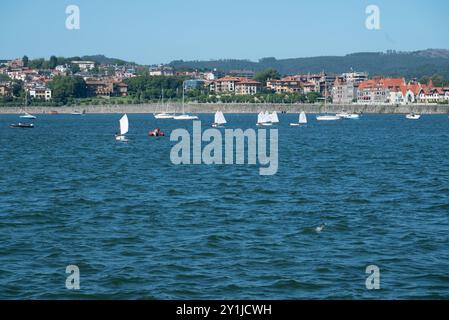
(139, 227)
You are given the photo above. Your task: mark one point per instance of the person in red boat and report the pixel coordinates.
(156, 133)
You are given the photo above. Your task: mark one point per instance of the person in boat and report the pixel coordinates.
(157, 133)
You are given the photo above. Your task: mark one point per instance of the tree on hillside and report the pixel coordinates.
(4, 77)
(312, 97)
(25, 61)
(267, 74)
(75, 68)
(53, 62)
(438, 81)
(67, 88)
(17, 88)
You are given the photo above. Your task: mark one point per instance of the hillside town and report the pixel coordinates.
(107, 81)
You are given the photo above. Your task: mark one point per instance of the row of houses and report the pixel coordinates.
(387, 91)
(347, 88)
(35, 82)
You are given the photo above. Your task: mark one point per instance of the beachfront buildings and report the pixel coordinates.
(344, 91)
(234, 85)
(40, 92)
(285, 85)
(247, 87)
(397, 91)
(105, 88)
(380, 91)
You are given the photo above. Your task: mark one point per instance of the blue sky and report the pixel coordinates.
(158, 31)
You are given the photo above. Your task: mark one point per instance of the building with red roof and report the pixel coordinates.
(235, 85)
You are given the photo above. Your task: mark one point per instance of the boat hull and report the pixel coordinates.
(186, 117)
(297, 124)
(22, 126)
(328, 118)
(121, 138)
(164, 116)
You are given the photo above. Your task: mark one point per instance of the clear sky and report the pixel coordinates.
(158, 31)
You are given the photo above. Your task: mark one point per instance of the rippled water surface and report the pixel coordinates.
(139, 227)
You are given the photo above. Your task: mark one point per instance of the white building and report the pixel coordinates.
(161, 71)
(40, 93)
(84, 65)
(62, 68)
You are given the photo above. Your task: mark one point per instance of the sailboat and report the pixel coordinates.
(326, 117)
(345, 115)
(302, 120)
(124, 128)
(413, 116)
(274, 118)
(78, 113)
(164, 115)
(264, 119)
(220, 120)
(184, 116)
(26, 115)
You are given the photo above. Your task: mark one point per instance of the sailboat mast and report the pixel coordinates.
(325, 93)
(183, 95)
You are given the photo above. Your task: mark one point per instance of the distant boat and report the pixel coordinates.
(124, 128)
(26, 115)
(345, 115)
(328, 118)
(220, 120)
(164, 115)
(78, 113)
(274, 118)
(264, 119)
(302, 120)
(184, 116)
(413, 116)
(22, 125)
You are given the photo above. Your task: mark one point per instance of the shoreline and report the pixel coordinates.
(232, 108)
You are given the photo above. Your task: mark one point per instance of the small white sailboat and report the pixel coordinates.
(326, 117)
(413, 116)
(264, 119)
(26, 115)
(302, 120)
(184, 116)
(124, 128)
(220, 120)
(164, 115)
(274, 117)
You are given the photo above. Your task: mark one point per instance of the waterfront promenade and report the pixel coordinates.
(234, 108)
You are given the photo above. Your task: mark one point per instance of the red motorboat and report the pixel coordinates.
(156, 133)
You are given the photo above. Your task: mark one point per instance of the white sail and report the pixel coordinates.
(260, 118)
(220, 118)
(124, 125)
(266, 117)
(303, 118)
(274, 117)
